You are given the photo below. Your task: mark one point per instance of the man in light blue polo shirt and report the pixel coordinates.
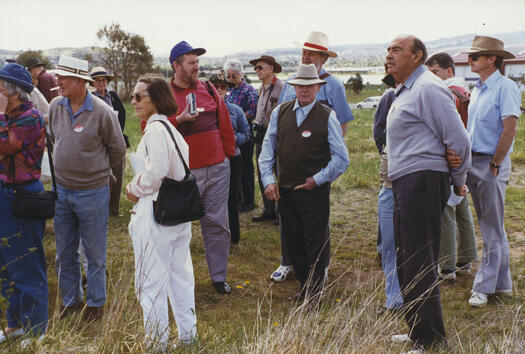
(493, 123)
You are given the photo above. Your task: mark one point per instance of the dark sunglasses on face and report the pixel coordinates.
(138, 97)
(259, 67)
(475, 57)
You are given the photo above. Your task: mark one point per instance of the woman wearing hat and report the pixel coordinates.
(245, 96)
(22, 262)
(101, 80)
(241, 130)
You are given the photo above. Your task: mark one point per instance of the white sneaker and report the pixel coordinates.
(478, 299)
(401, 338)
(26, 343)
(281, 273)
(13, 334)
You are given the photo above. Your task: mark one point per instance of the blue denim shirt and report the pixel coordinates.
(240, 126)
(337, 165)
(332, 94)
(490, 102)
(86, 106)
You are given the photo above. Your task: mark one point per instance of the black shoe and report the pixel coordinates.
(246, 208)
(222, 287)
(93, 313)
(264, 217)
(66, 310)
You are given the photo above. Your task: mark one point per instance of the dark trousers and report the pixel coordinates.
(247, 176)
(269, 205)
(115, 187)
(233, 197)
(304, 221)
(419, 199)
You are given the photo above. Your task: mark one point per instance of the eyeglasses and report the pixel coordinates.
(476, 56)
(259, 67)
(101, 80)
(232, 76)
(221, 86)
(436, 72)
(138, 97)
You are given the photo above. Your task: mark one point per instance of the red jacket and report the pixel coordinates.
(210, 137)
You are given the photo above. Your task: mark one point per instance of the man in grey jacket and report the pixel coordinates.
(422, 123)
(88, 142)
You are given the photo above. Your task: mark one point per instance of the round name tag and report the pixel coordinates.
(78, 128)
(306, 133)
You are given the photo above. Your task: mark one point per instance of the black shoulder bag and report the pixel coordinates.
(178, 201)
(35, 205)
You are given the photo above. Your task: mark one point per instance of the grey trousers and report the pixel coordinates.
(214, 184)
(458, 239)
(488, 195)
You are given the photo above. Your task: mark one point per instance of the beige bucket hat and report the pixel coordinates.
(307, 75)
(69, 66)
(488, 45)
(318, 41)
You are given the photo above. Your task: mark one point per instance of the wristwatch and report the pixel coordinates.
(494, 165)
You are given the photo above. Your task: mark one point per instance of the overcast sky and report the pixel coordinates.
(230, 26)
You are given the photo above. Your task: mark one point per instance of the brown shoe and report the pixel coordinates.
(93, 313)
(66, 310)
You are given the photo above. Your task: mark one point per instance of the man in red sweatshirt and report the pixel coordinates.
(210, 137)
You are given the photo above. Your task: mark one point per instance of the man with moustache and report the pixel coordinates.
(332, 94)
(266, 68)
(210, 137)
(421, 124)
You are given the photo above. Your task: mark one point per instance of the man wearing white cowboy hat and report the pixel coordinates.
(88, 142)
(306, 140)
(101, 79)
(315, 51)
(492, 125)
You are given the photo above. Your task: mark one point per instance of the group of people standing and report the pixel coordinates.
(299, 125)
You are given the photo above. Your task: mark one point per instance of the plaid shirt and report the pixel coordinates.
(244, 96)
(22, 136)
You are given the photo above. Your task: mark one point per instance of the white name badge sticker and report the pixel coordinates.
(306, 133)
(78, 128)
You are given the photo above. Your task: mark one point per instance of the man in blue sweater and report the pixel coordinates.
(422, 123)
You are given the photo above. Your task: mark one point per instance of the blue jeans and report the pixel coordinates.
(82, 215)
(23, 266)
(385, 209)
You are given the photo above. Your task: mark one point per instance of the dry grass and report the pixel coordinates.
(257, 316)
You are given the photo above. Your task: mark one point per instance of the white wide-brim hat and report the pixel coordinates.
(318, 42)
(307, 75)
(69, 66)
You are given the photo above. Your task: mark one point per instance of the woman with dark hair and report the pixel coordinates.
(22, 261)
(163, 267)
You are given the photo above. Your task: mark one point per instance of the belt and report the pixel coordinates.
(474, 153)
(14, 185)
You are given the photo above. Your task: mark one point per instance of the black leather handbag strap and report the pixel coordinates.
(50, 157)
(188, 172)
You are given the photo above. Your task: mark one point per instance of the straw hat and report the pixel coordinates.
(101, 71)
(318, 42)
(488, 45)
(69, 66)
(307, 75)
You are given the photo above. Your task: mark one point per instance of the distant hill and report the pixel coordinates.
(371, 54)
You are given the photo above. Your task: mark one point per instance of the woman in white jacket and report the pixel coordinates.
(163, 267)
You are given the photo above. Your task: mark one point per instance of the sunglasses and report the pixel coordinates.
(138, 97)
(475, 57)
(259, 67)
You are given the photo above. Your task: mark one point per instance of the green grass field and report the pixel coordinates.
(258, 317)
